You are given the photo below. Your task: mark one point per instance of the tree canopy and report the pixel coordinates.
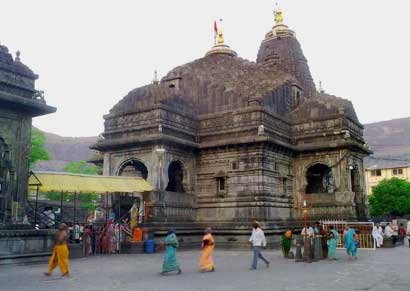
(390, 196)
(38, 152)
(81, 167)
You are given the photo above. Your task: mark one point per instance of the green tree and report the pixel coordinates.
(81, 167)
(390, 196)
(38, 152)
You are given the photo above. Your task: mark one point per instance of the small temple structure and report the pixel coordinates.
(19, 103)
(226, 141)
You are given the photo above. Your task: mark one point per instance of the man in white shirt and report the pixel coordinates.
(258, 241)
(390, 233)
(377, 236)
(77, 233)
(308, 231)
(308, 235)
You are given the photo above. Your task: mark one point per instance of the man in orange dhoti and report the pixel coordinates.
(60, 253)
(206, 263)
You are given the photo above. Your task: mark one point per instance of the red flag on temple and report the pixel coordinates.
(215, 27)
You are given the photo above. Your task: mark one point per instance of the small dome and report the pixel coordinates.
(221, 49)
(15, 66)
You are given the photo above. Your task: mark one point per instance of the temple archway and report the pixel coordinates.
(319, 178)
(175, 177)
(133, 168)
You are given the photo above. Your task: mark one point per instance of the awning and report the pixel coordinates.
(66, 182)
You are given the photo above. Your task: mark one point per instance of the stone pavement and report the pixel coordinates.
(384, 269)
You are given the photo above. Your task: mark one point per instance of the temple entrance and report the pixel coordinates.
(129, 206)
(358, 194)
(175, 177)
(319, 179)
(133, 168)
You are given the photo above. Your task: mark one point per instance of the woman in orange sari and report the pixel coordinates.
(206, 263)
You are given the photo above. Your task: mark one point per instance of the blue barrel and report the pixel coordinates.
(149, 246)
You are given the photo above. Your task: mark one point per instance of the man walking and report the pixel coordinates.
(258, 241)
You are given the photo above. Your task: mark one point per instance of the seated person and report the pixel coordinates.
(390, 233)
(402, 230)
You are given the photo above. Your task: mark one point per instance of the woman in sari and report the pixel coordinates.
(332, 239)
(350, 239)
(206, 263)
(170, 260)
(286, 243)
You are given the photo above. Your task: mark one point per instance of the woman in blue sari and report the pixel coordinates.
(350, 239)
(170, 260)
(332, 243)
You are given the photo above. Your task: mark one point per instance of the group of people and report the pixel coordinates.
(326, 239)
(104, 239)
(390, 231)
(206, 262)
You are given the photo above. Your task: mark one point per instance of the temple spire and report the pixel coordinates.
(18, 53)
(279, 29)
(155, 80)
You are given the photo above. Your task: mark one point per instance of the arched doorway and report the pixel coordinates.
(319, 179)
(175, 177)
(133, 168)
(123, 203)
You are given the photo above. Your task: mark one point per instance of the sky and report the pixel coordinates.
(90, 54)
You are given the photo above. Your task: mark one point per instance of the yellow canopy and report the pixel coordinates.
(66, 182)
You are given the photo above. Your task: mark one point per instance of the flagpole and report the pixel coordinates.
(215, 31)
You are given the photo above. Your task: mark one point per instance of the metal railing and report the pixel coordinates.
(363, 231)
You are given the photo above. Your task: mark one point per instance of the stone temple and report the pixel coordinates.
(225, 141)
(19, 103)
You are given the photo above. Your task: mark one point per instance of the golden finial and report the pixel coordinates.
(220, 37)
(278, 15)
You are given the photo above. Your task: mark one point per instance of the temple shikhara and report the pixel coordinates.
(226, 140)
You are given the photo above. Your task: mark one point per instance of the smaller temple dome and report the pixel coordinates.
(16, 66)
(220, 47)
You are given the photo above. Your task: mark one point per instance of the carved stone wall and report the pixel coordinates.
(15, 131)
(258, 184)
(19, 102)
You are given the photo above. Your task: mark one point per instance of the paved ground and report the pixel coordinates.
(385, 269)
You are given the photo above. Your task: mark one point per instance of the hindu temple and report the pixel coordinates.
(226, 140)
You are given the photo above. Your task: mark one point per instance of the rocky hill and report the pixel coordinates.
(65, 149)
(389, 140)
